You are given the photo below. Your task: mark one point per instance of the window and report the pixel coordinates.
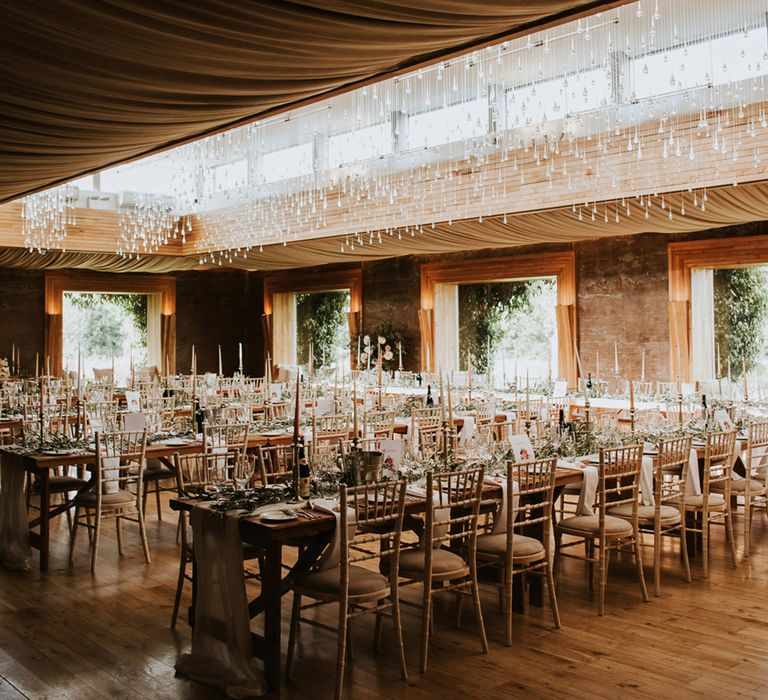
(286, 163)
(455, 123)
(360, 144)
(228, 177)
(105, 331)
(512, 326)
(150, 176)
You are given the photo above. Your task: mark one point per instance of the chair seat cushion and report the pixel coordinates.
(740, 486)
(65, 483)
(361, 581)
(716, 501)
(107, 499)
(616, 527)
(412, 562)
(522, 547)
(668, 514)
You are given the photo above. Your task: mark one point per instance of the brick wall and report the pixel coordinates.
(622, 286)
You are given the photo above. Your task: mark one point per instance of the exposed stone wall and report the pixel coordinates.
(622, 286)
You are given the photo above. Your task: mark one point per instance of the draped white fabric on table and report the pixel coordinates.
(15, 551)
(222, 648)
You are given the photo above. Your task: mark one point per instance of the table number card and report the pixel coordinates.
(521, 447)
(723, 419)
(392, 451)
(133, 400)
(560, 388)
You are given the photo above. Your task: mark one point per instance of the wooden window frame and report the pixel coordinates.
(561, 266)
(56, 283)
(714, 253)
(298, 282)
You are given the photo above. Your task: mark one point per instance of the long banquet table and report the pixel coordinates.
(314, 534)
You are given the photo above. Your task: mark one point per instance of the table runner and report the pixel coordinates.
(15, 550)
(222, 648)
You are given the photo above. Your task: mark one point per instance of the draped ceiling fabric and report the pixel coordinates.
(726, 206)
(87, 84)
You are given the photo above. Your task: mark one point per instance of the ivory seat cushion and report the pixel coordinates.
(412, 561)
(616, 527)
(668, 514)
(522, 546)
(716, 501)
(361, 581)
(107, 499)
(740, 486)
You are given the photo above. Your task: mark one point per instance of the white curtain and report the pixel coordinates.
(446, 330)
(284, 329)
(154, 331)
(702, 324)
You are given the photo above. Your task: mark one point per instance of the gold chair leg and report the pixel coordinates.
(553, 597)
(143, 535)
(95, 544)
(73, 535)
(603, 575)
(426, 614)
(705, 544)
(341, 649)
(657, 557)
(684, 550)
(398, 626)
(639, 564)
(478, 609)
(157, 501)
(730, 535)
(119, 528)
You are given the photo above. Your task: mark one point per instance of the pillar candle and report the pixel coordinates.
(354, 407)
(240, 357)
(642, 366)
(37, 364)
(221, 369)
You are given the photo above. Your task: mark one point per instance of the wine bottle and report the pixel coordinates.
(304, 474)
(430, 400)
(589, 380)
(199, 416)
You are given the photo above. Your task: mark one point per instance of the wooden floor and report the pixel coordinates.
(66, 634)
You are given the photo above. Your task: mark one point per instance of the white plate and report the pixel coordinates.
(277, 516)
(59, 453)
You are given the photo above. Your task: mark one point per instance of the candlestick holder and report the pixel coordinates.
(680, 408)
(632, 420)
(586, 414)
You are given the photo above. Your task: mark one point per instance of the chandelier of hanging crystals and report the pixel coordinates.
(45, 217)
(148, 223)
(603, 115)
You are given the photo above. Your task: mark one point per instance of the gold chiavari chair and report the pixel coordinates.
(229, 443)
(485, 412)
(275, 463)
(754, 487)
(530, 410)
(116, 492)
(557, 404)
(666, 517)
(618, 485)
(714, 504)
(357, 590)
(193, 475)
(530, 493)
(101, 417)
(452, 514)
(104, 376)
(332, 427)
(379, 424)
(426, 430)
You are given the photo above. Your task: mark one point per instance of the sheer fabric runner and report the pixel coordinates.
(222, 649)
(15, 551)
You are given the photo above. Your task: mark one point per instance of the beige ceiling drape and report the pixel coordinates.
(726, 206)
(88, 84)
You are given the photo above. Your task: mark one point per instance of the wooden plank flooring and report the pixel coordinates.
(66, 634)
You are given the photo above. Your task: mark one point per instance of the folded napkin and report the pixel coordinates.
(332, 554)
(467, 431)
(500, 520)
(440, 531)
(590, 478)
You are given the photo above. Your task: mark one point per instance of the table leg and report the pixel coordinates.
(45, 518)
(271, 593)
